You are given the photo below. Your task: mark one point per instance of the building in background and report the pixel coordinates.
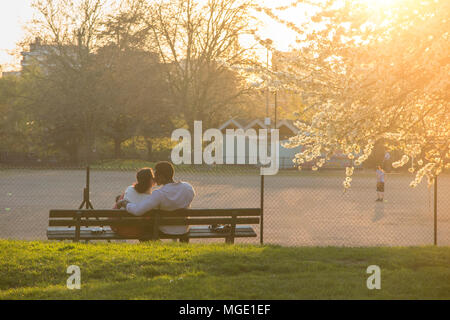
(38, 53)
(286, 129)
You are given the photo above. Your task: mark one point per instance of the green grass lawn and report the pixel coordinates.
(37, 270)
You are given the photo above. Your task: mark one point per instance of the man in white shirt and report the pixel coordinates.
(171, 196)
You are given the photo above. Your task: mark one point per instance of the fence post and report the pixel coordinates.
(261, 227)
(86, 200)
(435, 211)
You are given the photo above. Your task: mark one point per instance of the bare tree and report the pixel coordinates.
(69, 35)
(199, 44)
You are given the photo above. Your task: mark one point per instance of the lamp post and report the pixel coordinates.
(276, 105)
(274, 67)
(267, 43)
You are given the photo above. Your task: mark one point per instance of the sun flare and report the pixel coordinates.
(380, 4)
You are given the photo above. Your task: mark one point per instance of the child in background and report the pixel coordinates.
(380, 183)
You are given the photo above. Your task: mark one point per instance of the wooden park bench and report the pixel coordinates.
(90, 224)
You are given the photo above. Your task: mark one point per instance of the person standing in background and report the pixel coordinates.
(380, 183)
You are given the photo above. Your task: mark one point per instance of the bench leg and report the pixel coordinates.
(184, 239)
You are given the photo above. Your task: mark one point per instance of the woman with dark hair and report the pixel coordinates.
(140, 190)
(145, 181)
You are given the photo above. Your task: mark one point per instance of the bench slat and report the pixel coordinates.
(163, 221)
(109, 213)
(194, 233)
(205, 232)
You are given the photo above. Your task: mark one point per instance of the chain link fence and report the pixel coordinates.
(300, 208)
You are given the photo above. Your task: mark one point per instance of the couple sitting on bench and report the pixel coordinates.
(170, 216)
(139, 199)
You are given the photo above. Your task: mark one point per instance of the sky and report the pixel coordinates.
(14, 14)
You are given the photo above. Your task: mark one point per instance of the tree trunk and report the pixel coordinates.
(90, 143)
(149, 149)
(73, 154)
(117, 149)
